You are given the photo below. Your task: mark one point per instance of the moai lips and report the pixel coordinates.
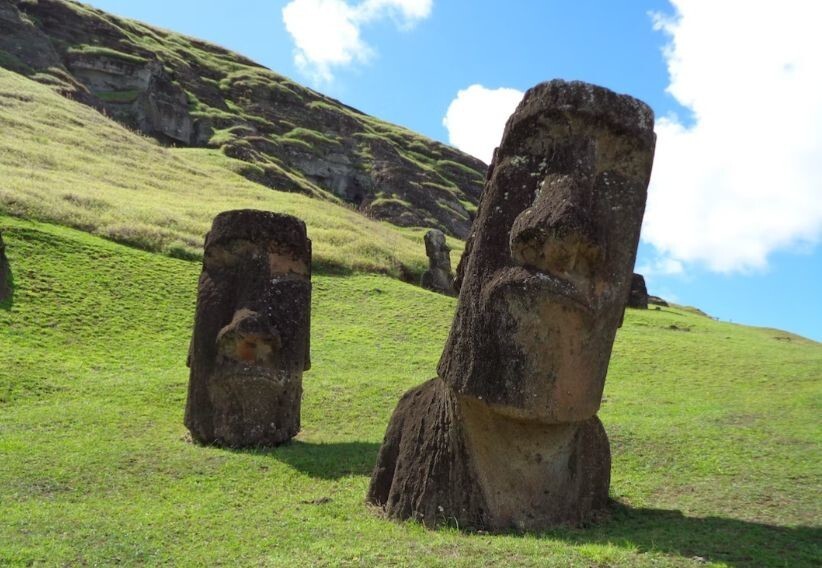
(507, 436)
(251, 331)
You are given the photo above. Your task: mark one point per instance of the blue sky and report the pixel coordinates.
(734, 216)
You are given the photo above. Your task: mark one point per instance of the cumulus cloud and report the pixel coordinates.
(743, 177)
(327, 33)
(476, 118)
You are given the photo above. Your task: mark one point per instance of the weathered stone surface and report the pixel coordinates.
(438, 277)
(551, 253)
(251, 331)
(5, 272)
(507, 435)
(638, 296)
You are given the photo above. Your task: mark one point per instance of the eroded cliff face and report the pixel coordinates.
(183, 91)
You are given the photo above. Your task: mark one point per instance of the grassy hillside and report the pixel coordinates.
(64, 162)
(714, 429)
(184, 91)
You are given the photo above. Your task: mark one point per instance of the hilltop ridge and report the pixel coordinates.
(187, 92)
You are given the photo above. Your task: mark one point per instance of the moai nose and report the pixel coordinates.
(249, 338)
(557, 234)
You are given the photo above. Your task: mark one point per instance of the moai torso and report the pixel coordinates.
(251, 331)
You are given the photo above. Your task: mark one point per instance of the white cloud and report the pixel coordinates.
(476, 119)
(662, 266)
(745, 178)
(327, 33)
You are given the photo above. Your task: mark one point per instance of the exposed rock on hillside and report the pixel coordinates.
(188, 92)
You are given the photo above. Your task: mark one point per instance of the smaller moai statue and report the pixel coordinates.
(638, 296)
(438, 277)
(251, 331)
(5, 272)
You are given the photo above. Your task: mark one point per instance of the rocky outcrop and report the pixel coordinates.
(506, 437)
(251, 331)
(185, 91)
(5, 273)
(438, 277)
(638, 296)
(657, 301)
(137, 92)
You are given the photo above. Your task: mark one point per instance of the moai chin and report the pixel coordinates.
(507, 437)
(251, 331)
(438, 277)
(5, 272)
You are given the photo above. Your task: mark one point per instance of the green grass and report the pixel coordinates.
(102, 51)
(714, 431)
(65, 163)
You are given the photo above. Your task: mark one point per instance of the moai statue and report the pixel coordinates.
(507, 437)
(638, 296)
(5, 273)
(251, 331)
(438, 277)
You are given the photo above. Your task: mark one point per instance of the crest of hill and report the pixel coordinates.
(186, 92)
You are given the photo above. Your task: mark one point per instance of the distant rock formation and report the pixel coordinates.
(251, 331)
(438, 277)
(5, 272)
(657, 301)
(507, 435)
(638, 296)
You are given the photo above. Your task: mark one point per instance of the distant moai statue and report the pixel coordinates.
(5, 272)
(507, 435)
(251, 331)
(438, 277)
(638, 296)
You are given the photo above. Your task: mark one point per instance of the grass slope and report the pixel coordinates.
(66, 163)
(714, 429)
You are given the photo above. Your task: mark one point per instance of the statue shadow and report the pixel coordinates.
(332, 460)
(704, 539)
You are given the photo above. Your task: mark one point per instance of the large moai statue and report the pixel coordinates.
(5, 272)
(438, 277)
(507, 437)
(251, 331)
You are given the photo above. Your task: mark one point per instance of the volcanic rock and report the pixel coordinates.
(507, 435)
(638, 296)
(438, 277)
(251, 331)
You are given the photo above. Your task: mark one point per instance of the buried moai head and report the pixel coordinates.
(547, 269)
(251, 331)
(438, 277)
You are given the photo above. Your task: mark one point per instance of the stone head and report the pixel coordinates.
(251, 331)
(548, 266)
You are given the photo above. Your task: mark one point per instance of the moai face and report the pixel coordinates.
(549, 266)
(251, 335)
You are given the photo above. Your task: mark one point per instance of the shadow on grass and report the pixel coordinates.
(710, 539)
(326, 461)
